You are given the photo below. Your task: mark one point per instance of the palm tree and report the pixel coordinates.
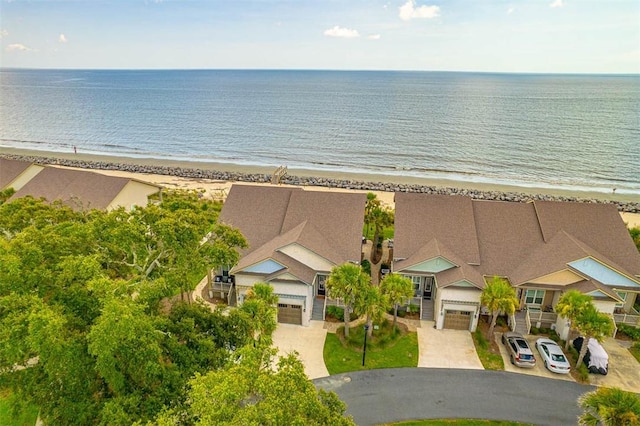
(398, 289)
(260, 306)
(592, 324)
(372, 303)
(498, 296)
(569, 306)
(381, 217)
(609, 406)
(347, 282)
(372, 203)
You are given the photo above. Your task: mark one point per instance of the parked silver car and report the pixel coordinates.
(520, 353)
(552, 356)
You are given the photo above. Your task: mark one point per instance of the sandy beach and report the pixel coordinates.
(338, 175)
(218, 189)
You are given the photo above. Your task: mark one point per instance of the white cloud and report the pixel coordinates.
(374, 37)
(510, 10)
(19, 47)
(341, 32)
(62, 38)
(3, 33)
(556, 3)
(410, 11)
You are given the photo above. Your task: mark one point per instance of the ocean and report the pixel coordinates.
(576, 132)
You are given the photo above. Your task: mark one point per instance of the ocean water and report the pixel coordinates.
(576, 132)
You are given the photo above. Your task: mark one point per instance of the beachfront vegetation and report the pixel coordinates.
(378, 224)
(635, 235)
(96, 322)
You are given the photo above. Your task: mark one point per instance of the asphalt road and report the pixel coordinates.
(381, 396)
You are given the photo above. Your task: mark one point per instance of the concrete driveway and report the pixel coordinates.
(307, 341)
(446, 348)
(624, 369)
(539, 369)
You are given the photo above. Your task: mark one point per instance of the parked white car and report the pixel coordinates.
(552, 356)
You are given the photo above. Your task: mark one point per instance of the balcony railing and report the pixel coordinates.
(627, 319)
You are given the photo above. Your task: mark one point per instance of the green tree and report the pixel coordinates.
(260, 304)
(499, 297)
(399, 289)
(591, 323)
(251, 391)
(372, 303)
(380, 217)
(635, 236)
(347, 282)
(609, 407)
(372, 203)
(569, 306)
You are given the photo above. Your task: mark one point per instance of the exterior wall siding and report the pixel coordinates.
(133, 194)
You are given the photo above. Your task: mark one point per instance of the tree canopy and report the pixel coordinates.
(82, 332)
(570, 305)
(256, 387)
(398, 289)
(609, 407)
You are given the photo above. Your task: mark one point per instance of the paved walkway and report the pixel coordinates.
(624, 371)
(307, 341)
(446, 348)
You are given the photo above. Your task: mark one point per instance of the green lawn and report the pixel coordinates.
(384, 352)
(26, 418)
(489, 359)
(635, 351)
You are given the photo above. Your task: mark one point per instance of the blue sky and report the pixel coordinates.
(565, 36)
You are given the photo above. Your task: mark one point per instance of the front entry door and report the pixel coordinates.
(321, 281)
(428, 288)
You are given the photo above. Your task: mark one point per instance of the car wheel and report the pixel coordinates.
(504, 342)
(545, 365)
(511, 357)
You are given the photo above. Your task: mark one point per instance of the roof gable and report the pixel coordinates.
(597, 225)
(558, 278)
(420, 218)
(307, 257)
(79, 189)
(268, 266)
(603, 273)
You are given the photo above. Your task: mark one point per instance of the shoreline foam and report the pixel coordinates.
(318, 178)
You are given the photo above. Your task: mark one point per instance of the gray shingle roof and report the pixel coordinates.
(326, 223)
(515, 240)
(11, 169)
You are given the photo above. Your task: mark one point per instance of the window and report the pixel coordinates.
(534, 297)
(623, 296)
(416, 280)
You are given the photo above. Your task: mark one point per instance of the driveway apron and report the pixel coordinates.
(446, 348)
(307, 341)
(624, 370)
(538, 370)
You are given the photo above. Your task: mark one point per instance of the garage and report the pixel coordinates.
(289, 314)
(457, 320)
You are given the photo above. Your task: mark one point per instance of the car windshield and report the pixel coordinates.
(559, 358)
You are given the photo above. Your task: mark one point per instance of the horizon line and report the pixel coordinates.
(567, 73)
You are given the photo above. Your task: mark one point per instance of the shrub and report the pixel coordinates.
(583, 373)
(501, 322)
(554, 336)
(366, 266)
(482, 341)
(631, 331)
(413, 308)
(335, 312)
(534, 330)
